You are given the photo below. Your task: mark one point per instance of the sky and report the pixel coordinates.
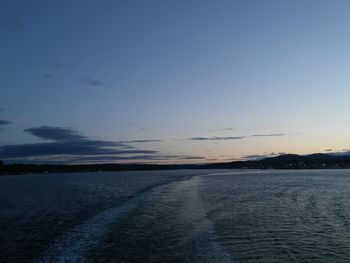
(172, 81)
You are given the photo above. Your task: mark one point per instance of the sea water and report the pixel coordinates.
(176, 216)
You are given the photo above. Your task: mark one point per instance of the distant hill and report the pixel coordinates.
(291, 161)
(286, 161)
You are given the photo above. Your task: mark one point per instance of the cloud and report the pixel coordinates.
(92, 82)
(47, 75)
(2, 122)
(54, 133)
(140, 157)
(222, 138)
(192, 158)
(55, 64)
(224, 129)
(83, 159)
(140, 141)
(70, 144)
(256, 157)
(117, 158)
(216, 138)
(328, 150)
(344, 152)
(269, 135)
(64, 145)
(69, 159)
(64, 148)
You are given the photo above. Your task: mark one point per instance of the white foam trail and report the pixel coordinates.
(72, 246)
(193, 213)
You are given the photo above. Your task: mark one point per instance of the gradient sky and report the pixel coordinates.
(204, 80)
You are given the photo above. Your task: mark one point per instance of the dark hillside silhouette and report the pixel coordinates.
(287, 161)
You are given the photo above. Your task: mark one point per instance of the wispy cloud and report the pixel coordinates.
(92, 82)
(344, 152)
(2, 122)
(217, 138)
(56, 63)
(47, 75)
(269, 135)
(138, 159)
(256, 157)
(223, 129)
(71, 159)
(140, 141)
(192, 158)
(223, 138)
(261, 156)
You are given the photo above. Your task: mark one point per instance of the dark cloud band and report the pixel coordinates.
(67, 142)
(2, 122)
(68, 146)
(54, 133)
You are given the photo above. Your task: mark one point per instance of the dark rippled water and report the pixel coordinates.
(176, 216)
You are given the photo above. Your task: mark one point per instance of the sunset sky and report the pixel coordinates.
(172, 81)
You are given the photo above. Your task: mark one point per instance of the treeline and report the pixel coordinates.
(287, 161)
(40, 168)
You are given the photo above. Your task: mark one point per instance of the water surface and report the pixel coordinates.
(176, 216)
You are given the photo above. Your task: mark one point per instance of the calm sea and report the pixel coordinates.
(176, 216)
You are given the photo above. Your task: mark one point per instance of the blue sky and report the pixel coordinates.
(198, 78)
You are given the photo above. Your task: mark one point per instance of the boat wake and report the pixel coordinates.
(177, 205)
